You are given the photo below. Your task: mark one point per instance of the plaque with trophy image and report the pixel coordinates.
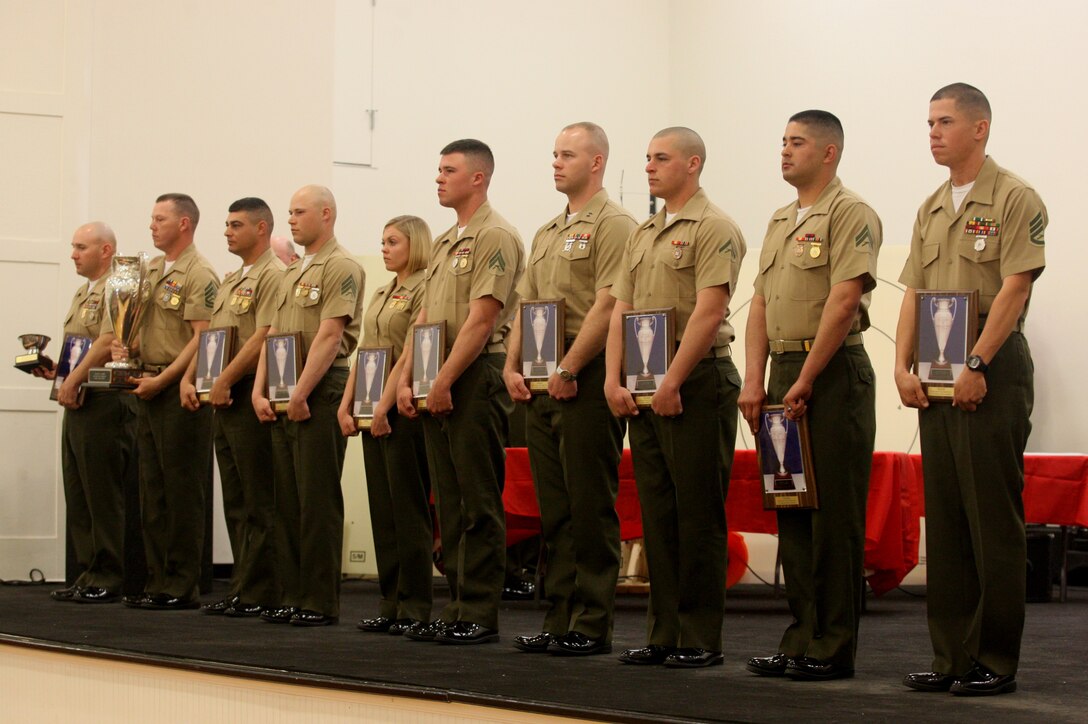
(947, 327)
(128, 289)
(648, 345)
(283, 364)
(33, 356)
(214, 351)
(428, 354)
(372, 365)
(785, 461)
(542, 341)
(72, 351)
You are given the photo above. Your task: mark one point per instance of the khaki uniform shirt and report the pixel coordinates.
(573, 260)
(330, 287)
(184, 294)
(248, 300)
(1002, 210)
(487, 260)
(837, 240)
(391, 312)
(88, 310)
(665, 266)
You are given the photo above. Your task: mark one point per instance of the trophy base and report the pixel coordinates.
(942, 372)
(30, 362)
(645, 383)
(538, 387)
(424, 388)
(538, 369)
(364, 423)
(784, 482)
(365, 410)
(204, 397)
(280, 406)
(420, 402)
(113, 378)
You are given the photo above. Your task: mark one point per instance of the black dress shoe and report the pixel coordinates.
(518, 590)
(244, 610)
(809, 669)
(166, 602)
(576, 643)
(768, 665)
(64, 594)
(652, 654)
(980, 681)
(463, 632)
(401, 625)
(426, 630)
(136, 600)
(534, 644)
(692, 658)
(95, 594)
(219, 607)
(379, 624)
(279, 614)
(929, 681)
(306, 617)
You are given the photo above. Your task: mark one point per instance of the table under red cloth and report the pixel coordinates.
(1055, 488)
(892, 527)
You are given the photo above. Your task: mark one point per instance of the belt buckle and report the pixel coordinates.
(807, 344)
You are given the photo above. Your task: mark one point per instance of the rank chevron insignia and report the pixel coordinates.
(496, 263)
(209, 294)
(864, 238)
(728, 248)
(348, 287)
(1037, 227)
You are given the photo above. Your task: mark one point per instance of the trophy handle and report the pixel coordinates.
(653, 323)
(932, 306)
(952, 307)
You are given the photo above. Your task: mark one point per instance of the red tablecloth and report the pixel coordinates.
(892, 527)
(1055, 488)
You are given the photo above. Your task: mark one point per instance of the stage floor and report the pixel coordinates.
(893, 642)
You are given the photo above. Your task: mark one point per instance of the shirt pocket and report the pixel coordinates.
(575, 269)
(812, 277)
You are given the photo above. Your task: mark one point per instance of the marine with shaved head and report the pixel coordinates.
(687, 257)
(817, 270)
(97, 434)
(574, 440)
(982, 230)
(320, 296)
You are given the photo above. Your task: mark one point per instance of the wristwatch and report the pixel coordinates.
(974, 362)
(565, 375)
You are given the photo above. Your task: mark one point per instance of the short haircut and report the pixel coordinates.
(688, 142)
(598, 139)
(184, 205)
(256, 208)
(477, 152)
(968, 98)
(826, 125)
(419, 240)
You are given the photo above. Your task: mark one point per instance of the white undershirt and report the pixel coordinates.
(245, 269)
(571, 216)
(166, 267)
(306, 260)
(959, 193)
(802, 213)
(461, 230)
(669, 217)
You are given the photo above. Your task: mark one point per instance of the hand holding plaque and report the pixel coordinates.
(542, 341)
(947, 326)
(214, 352)
(372, 365)
(648, 345)
(428, 354)
(785, 459)
(283, 353)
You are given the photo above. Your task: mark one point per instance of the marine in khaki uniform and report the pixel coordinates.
(574, 440)
(817, 270)
(472, 275)
(687, 257)
(243, 446)
(174, 444)
(398, 484)
(320, 296)
(97, 435)
(982, 230)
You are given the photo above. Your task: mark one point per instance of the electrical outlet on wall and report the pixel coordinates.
(357, 556)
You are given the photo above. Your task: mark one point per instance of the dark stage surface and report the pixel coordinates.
(1053, 679)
